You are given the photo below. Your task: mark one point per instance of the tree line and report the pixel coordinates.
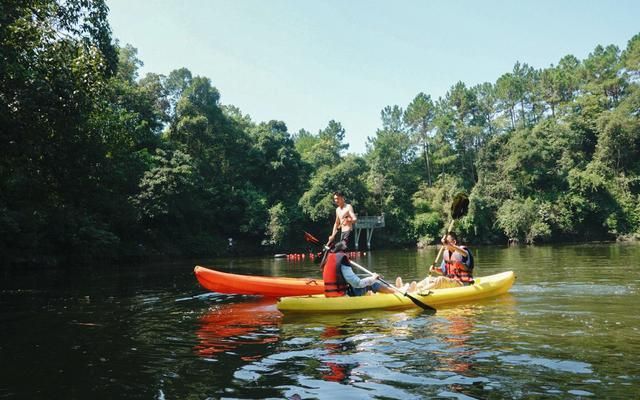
(100, 163)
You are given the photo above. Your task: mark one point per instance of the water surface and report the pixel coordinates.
(567, 329)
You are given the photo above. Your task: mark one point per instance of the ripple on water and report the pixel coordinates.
(454, 395)
(298, 341)
(384, 374)
(576, 367)
(319, 389)
(576, 392)
(574, 289)
(358, 366)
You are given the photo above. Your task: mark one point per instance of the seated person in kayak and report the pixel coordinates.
(340, 280)
(456, 268)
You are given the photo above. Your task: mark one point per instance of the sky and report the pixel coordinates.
(308, 62)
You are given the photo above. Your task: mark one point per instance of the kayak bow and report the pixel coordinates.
(224, 282)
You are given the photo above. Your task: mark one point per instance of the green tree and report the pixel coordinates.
(619, 137)
(279, 224)
(304, 142)
(392, 177)
(326, 151)
(600, 71)
(487, 112)
(317, 202)
(56, 62)
(631, 56)
(419, 117)
(521, 220)
(557, 85)
(508, 95)
(175, 84)
(128, 63)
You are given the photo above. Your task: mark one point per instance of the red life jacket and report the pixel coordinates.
(456, 269)
(334, 283)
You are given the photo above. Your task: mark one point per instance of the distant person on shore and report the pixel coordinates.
(345, 218)
(230, 248)
(456, 268)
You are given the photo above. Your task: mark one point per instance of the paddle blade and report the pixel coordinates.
(459, 206)
(310, 238)
(420, 304)
(413, 299)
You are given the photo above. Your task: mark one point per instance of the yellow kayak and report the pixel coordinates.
(484, 287)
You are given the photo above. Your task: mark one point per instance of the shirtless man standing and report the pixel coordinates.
(345, 218)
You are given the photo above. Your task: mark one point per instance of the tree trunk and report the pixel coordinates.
(425, 152)
(513, 118)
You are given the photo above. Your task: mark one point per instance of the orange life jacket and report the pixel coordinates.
(334, 283)
(456, 269)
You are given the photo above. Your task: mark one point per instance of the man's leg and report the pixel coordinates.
(345, 236)
(440, 282)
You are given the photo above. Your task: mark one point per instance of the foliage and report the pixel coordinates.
(317, 202)
(522, 220)
(279, 223)
(97, 161)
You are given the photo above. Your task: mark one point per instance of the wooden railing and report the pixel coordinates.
(369, 223)
(375, 221)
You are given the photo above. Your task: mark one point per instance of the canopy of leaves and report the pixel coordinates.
(96, 161)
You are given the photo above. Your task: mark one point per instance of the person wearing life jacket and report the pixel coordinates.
(456, 268)
(340, 280)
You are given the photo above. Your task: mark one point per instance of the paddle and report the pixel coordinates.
(459, 208)
(325, 248)
(312, 239)
(413, 299)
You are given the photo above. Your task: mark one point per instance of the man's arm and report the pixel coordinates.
(352, 214)
(336, 225)
(461, 250)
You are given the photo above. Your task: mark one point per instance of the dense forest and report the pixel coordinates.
(99, 163)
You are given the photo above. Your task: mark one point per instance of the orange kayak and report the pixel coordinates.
(223, 282)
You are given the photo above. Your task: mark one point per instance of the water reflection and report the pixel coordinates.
(455, 333)
(370, 354)
(337, 371)
(227, 327)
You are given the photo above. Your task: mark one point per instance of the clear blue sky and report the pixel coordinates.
(306, 62)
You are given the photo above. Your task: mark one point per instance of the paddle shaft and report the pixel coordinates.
(413, 299)
(442, 247)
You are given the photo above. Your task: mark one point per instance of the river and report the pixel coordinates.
(567, 329)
